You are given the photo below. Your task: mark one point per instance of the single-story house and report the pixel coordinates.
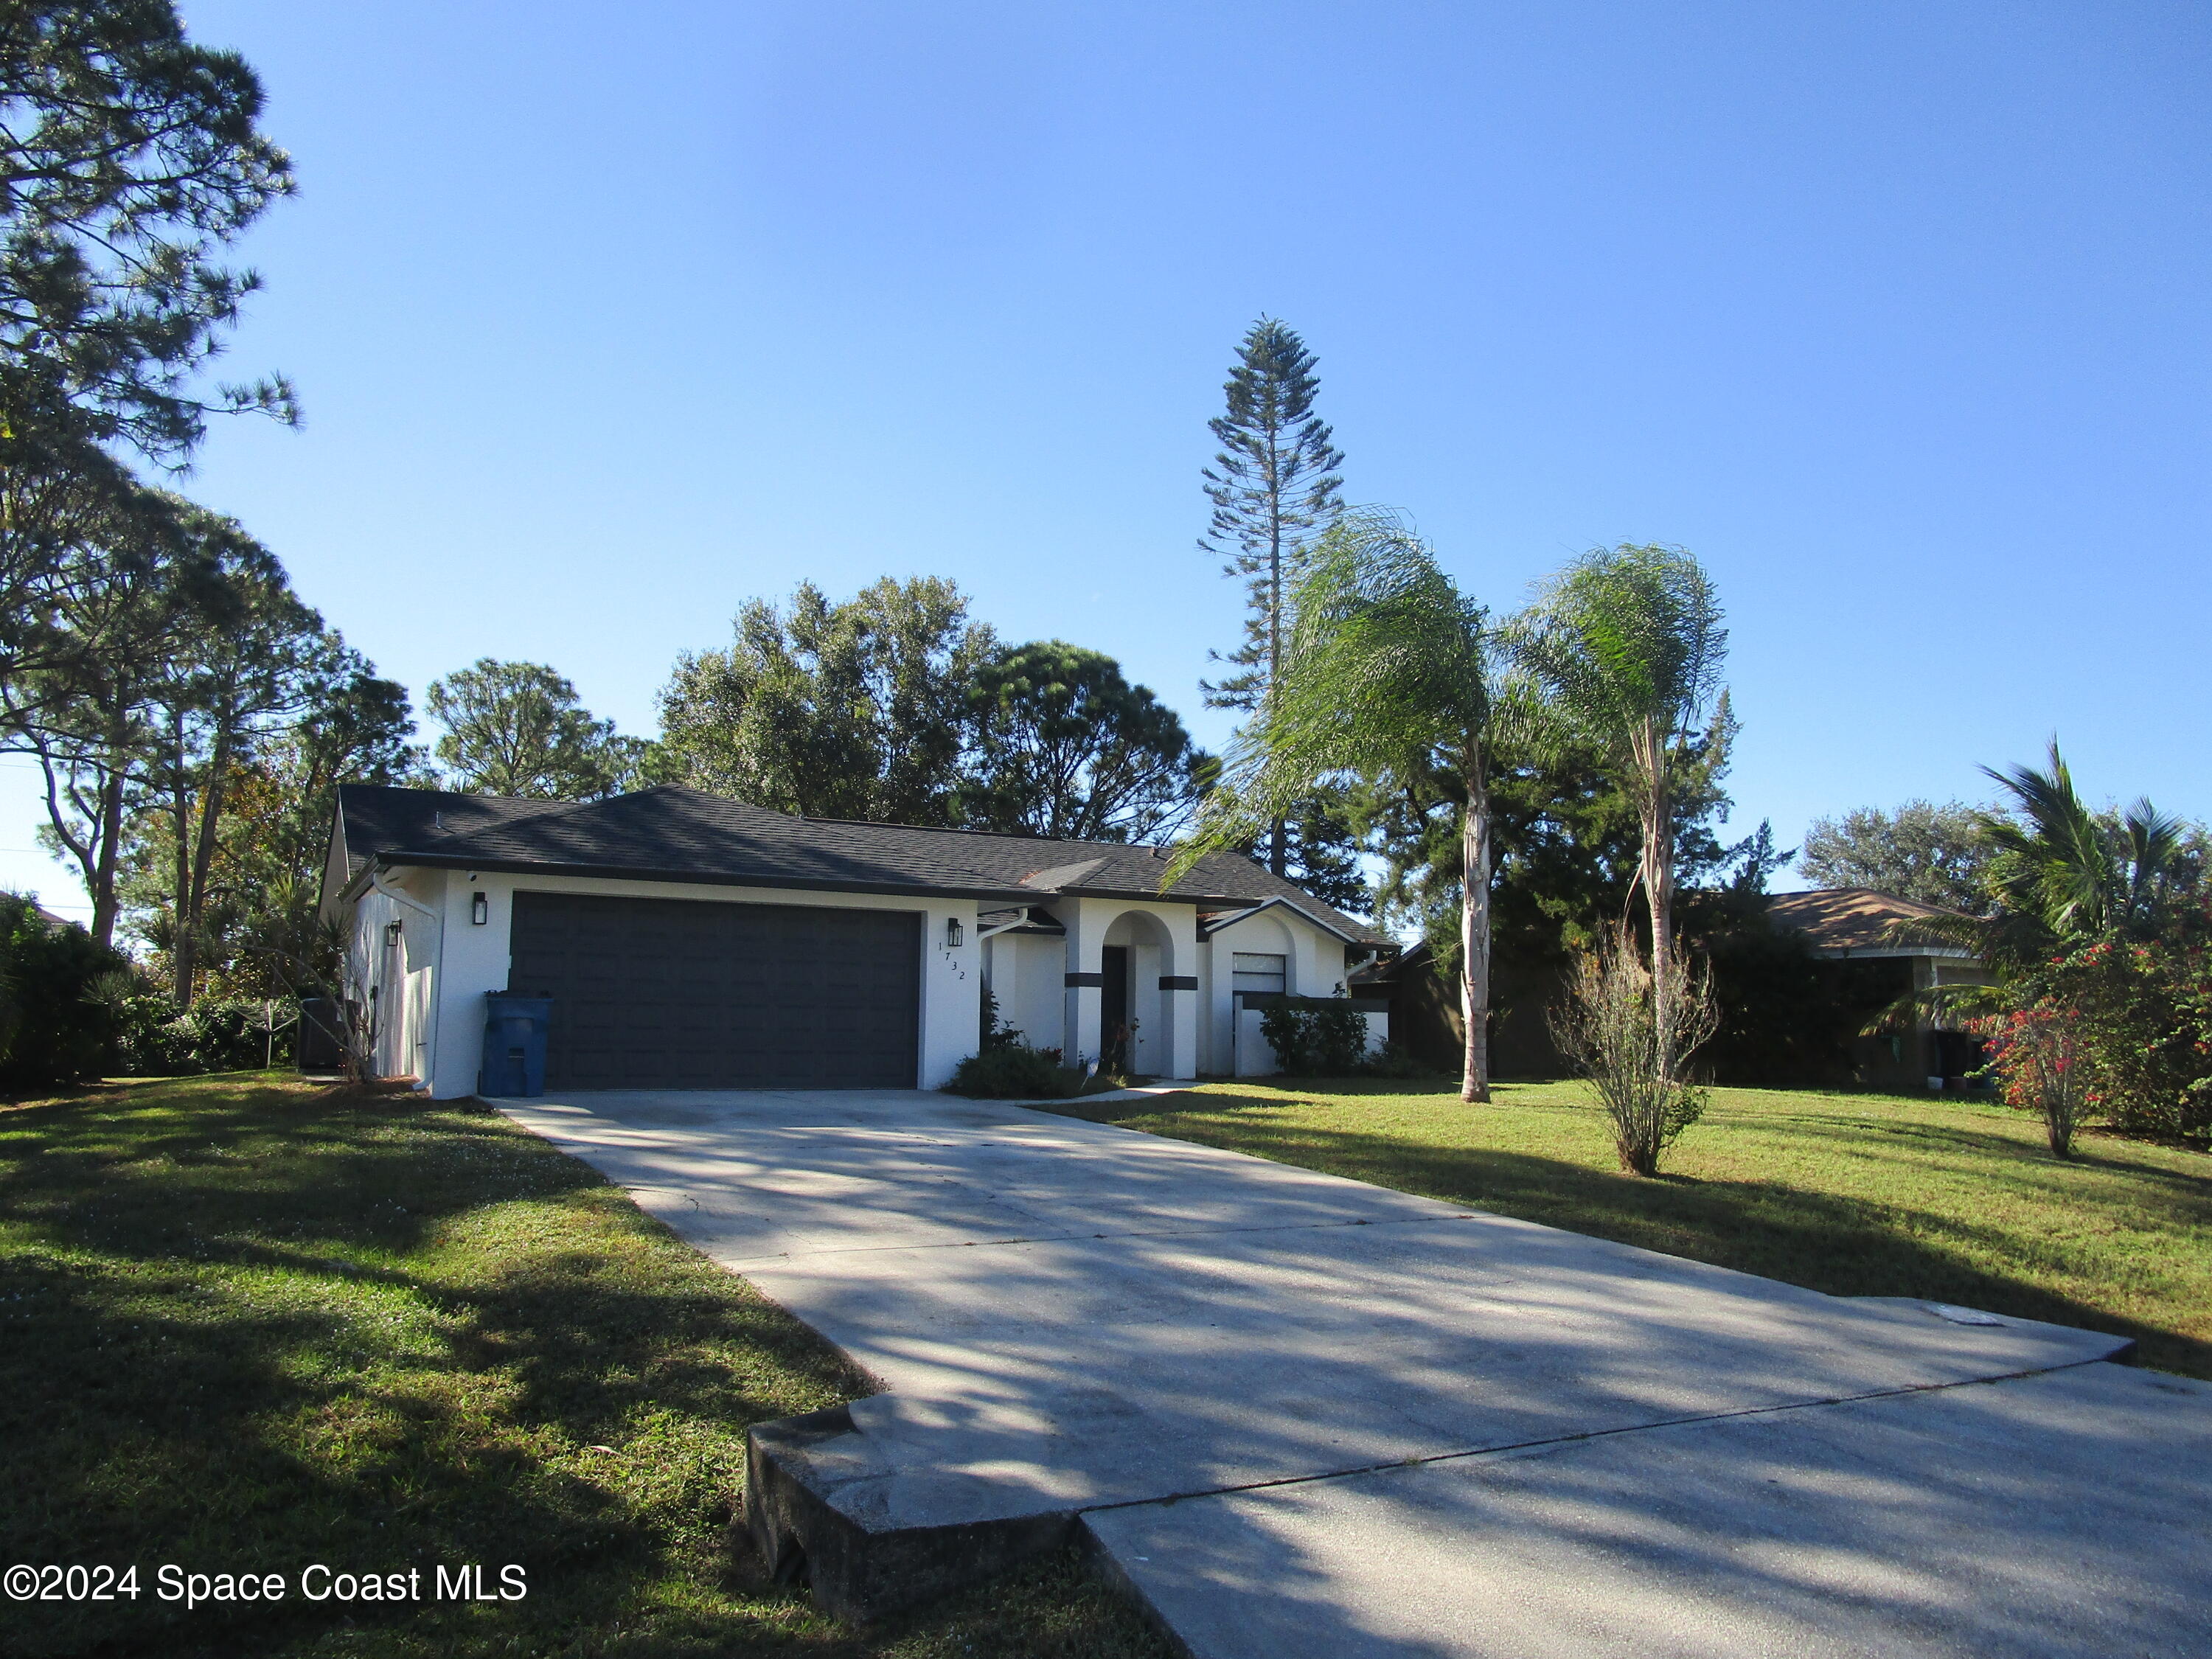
(687, 941)
(1880, 936)
(1868, 957)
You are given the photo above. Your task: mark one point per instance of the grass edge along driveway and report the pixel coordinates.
(247, 1324)
(1855, 1194)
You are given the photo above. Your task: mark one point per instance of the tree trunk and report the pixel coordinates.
(104, 904)
(1474, 926)
(1278, 857)
(95, 850)
(188, 923)
(180, 884)
(1658, 874)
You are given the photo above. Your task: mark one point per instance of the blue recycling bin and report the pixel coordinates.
(515, 1030)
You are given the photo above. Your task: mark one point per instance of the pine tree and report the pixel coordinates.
(1273, 487)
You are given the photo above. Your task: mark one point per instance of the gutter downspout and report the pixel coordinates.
(425, 1085)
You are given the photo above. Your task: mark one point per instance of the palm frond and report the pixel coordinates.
(2052, 861)
(2154, 843)
(1936, 1003)
(1384, 662)
(1625, 637)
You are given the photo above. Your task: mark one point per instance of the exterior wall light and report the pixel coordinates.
(390, 934)
(480, 908)
(955, 935)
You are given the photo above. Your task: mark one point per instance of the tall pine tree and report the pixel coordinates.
(1274, 487)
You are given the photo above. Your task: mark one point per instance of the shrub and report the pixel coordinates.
(1397, 1060)
(220, 1034)
(1317, 1041)
(55, 1029)
(1632, 1045)
(1012, 1070)
(142, 1014)
(996, 1033)
(231, 1034)
(1786, 1019)
(2037, 1055)
(2138, 1018)
(2143, 1016)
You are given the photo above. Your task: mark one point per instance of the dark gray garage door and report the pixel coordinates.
(672, 993)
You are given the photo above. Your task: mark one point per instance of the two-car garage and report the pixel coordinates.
(684, 993)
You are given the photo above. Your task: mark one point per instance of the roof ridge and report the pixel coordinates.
(1154, 847)
(467, 794)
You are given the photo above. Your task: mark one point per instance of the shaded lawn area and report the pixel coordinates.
(249, 1324)
(1854, 1195)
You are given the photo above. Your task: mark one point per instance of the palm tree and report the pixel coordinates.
(2058, 870)
(1383, 671)
(2061, 876)
(1627, 641)
(2061, 868)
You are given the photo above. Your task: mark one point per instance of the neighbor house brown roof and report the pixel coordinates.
(1860, 921)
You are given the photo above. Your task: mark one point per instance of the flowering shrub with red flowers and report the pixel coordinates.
(2036, 1053)
(2135, 1016)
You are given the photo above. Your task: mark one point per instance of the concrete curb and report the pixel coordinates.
(793, 1483)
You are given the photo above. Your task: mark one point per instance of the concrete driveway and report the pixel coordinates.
(1297, 1415)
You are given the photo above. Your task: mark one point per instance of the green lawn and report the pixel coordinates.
(1854, 1195)
(245, 1324)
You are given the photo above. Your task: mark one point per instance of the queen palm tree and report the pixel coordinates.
(1627, 642)
(1382, 673)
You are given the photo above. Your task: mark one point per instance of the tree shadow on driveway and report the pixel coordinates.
(1835, 1244)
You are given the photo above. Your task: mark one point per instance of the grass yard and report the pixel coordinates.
(1854, 1195)
(247, 1324)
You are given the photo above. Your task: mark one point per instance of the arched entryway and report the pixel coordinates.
(1140, 976)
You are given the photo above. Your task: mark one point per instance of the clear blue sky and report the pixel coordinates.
(606, 317)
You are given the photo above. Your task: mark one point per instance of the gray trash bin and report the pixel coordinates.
(515, 1030)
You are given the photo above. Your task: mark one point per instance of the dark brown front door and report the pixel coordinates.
(1114, 1007)
(677, 994)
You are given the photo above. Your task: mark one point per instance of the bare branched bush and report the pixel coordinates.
(1632, 1049)
(359, 1026)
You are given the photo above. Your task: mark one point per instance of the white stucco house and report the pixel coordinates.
(687, 941)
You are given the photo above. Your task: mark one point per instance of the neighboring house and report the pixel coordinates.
(1423, 1001)
(1424, 1007)
(1853, 932)
(689, 941)
(46, 920)
(1874, 933)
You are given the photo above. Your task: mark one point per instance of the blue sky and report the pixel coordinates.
(605, 319)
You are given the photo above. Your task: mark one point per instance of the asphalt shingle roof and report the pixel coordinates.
(373, 818)
(674, 834)
(1847, 919)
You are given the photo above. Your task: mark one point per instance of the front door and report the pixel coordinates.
(1114, 1008)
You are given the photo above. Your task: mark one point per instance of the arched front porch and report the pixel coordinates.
(1132, 987)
